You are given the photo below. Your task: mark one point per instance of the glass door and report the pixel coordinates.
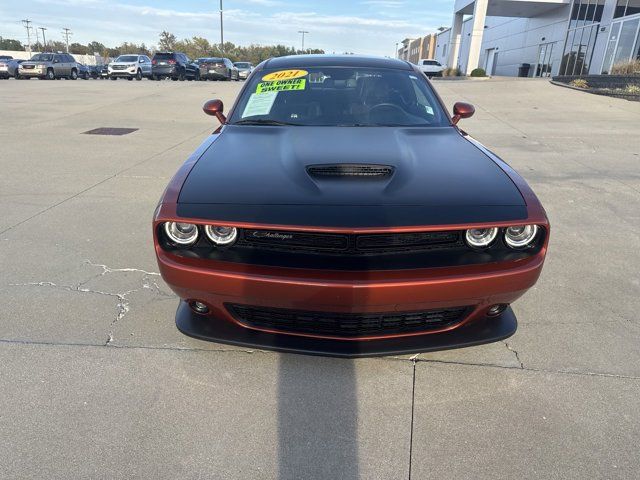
(545, 64)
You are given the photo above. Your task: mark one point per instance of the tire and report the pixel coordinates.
(50, 75)
(74, 74)
(197, 76)
(113, 78)
(129, 78)
(139, 75)
(16, 75)
(175, 79)
(182, 75)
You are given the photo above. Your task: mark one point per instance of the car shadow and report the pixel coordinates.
(317, 418)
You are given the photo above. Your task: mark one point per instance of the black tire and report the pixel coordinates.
(74, 74)
(129, 78)
(50, 75)
(139, 75)
(182, 75)
(197, 76)
(16, 75)
(113, 78)
(175, 79)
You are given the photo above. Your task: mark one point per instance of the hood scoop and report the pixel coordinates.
(338, 170)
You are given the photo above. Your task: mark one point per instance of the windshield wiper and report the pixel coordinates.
(263, 121)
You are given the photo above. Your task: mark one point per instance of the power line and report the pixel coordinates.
(26, 22)
(66, 32)
(44, 39)
(302, 32)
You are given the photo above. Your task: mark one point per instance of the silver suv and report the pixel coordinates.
(49, 66)
(130, 67)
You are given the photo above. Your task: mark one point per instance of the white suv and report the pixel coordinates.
(430, 67)
(130, 67)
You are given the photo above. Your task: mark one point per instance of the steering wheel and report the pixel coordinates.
(387, 111)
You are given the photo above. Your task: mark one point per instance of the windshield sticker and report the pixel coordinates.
(282, 85)
(259, 104)
(285, 75)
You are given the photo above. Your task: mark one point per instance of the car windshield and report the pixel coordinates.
(42, 57)
(127, 58)
(339, 96)
(242, 65)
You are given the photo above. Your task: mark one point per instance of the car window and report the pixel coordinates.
(163, 56)
(340, 96)
(42, 57)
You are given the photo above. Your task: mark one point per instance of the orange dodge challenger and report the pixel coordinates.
(339, 210)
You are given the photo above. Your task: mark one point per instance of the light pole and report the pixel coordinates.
(44, 39)
(221, 30)
(303, 33)
(396, 54)
(26, 23)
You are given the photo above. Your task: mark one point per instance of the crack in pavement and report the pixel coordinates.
(515, 353)
(122, 305)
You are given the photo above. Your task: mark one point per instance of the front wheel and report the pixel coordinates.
(50, 74)
(139, 75)
(74, 74)
(113, 78)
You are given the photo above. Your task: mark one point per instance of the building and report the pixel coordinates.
(414, 49)
(554, 37)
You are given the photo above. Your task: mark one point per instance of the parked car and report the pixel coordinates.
(217, 68)
(84, 71)
(244, 69)
(104, 71)
(49, 66)
(94, 70)
(173, 65)
(9, 67)
(400, 234)
(430, 67)
(130, 67)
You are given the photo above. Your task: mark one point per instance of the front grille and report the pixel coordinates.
(349, 170)
(28, 67)
(347, 325)
(357, 244)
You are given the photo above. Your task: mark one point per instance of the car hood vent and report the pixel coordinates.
(350, 170)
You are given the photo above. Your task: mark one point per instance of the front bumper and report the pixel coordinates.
(31, 72)
(218, 283)
(129, 72)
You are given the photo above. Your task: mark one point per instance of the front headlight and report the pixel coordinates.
(221, 235)
(481, 237)
(520, 236)
(181, 233)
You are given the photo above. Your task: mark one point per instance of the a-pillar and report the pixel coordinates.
(477, 31)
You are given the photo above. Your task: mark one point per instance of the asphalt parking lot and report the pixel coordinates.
(97, 383)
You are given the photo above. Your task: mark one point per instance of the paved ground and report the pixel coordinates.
(97, 383)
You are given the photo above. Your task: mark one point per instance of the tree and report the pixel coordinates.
(94, 47)
(10, 44)
(78, 49)
(167, 41)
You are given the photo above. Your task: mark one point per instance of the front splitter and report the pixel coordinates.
(487, 330)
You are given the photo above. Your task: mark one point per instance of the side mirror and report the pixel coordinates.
(462, 110)
(215, 109)
(141, 60)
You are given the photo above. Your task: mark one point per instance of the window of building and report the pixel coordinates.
(624, 8)
(624, 43)
(581, 36)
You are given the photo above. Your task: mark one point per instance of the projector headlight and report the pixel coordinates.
(221, 235)
(481, 237)
(520, 236)
(181, 233)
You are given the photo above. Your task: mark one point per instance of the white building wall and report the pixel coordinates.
(517, 40)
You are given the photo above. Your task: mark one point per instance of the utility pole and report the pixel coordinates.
(44, 39)
(396, 54)
(221, 30)
(66, 32)
(302, 32)
(26, 23)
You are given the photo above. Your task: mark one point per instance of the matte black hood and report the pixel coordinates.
(438, 177)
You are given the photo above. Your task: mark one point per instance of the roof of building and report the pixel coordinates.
(302, 61)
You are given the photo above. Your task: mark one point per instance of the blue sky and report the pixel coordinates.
(360, 26)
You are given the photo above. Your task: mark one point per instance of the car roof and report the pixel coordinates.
(301, 61)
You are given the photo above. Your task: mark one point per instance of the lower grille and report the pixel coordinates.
(347, 324)
(119, 67)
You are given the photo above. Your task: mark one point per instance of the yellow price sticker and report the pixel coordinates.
(282, 85)
(285, 75)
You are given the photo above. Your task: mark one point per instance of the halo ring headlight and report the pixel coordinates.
(221, 235)
(481, 237)
(181, 233)
(519, 236)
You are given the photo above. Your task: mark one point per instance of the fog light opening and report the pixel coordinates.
(496, 310)
(199, 307)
